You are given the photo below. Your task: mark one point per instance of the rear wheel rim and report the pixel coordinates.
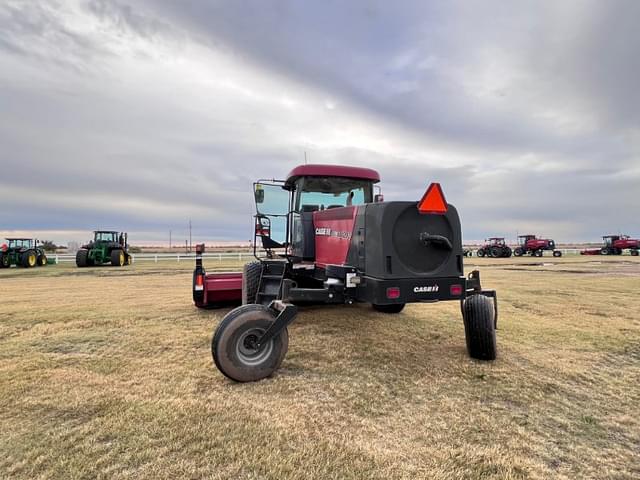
(248, 354)
(32, 260)
(121, 259)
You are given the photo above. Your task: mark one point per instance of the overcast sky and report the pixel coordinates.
(139, 115)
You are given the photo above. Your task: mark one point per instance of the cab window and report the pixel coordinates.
(322, 193)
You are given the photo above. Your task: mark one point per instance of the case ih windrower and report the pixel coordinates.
(615, 245)
(495, 247)
(328, 239)
(530, 245)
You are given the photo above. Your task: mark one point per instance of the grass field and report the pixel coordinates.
(107, 373)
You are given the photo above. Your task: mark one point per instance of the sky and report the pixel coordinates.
(141, 115)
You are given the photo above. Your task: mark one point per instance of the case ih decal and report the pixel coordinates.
(329, 240)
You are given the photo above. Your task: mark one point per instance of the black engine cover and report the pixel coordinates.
(391, 241)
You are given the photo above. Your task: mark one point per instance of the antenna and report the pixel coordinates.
(305, 157)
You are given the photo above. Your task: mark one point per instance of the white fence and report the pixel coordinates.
(239, 256)
(161, 257)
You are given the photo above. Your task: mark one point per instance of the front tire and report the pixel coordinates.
(557, 253)
(29, 259)
(117, 258)
(389, 308)
(479, 327)
(518, 252)
(537, 253)
(42, 260)
(232, 348)
(4, 261)
(480, 252)
(251, 273)
(634, 253)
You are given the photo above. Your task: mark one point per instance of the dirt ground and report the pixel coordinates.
(107, 373)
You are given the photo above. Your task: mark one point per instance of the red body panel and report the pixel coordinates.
(334, 229)
(222, 287)
(624, 243)
(537, 243)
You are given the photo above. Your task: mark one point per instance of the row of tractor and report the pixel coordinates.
(496, 247)
(107, 247)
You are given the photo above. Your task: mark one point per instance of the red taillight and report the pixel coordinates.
(199, 283)
(393, 292)
(456, 290)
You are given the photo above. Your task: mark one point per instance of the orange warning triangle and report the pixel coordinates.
(433, 200)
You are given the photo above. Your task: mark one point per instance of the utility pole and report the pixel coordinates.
(305, 157)
(169, 238)
(189, 235)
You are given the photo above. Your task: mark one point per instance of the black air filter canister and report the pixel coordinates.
(400, 242)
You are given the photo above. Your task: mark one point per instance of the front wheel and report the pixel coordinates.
(233, 344)
(634, 253)
(117, 258)
(518, 252)
(480, 252)
(557, 253)
(479, 327)
(390, 308)
(29, 259)
(537, 253)
(4, 261)
(42, 260)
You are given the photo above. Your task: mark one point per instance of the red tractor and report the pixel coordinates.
(327, 239)
(495, 247)
(529, 244)
(614, 245)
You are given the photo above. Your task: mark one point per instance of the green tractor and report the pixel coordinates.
(23, 252)
(106, 247)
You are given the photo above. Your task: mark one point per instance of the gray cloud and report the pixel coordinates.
(142, 115)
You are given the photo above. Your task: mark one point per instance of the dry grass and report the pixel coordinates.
(107, 373)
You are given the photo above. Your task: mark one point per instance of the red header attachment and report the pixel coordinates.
(433, 200)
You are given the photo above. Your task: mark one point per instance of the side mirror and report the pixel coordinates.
(378, 198)
(259, 194)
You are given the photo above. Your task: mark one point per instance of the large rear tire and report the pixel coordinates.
(480, 252)
(117, 258)
(507, 252)
(81, 257)
(29, 259)
(4, 261)
(390, 308)
(232, 349)
(479, 327)
(495, 252)
(251, 273)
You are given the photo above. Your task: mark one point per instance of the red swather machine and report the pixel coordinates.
(615, 245)
(327, 239)
(530, 245)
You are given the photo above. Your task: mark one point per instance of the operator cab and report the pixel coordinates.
(285, 208)
(523, 239)
(498, 241)
(17, 243)
(609, 239)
